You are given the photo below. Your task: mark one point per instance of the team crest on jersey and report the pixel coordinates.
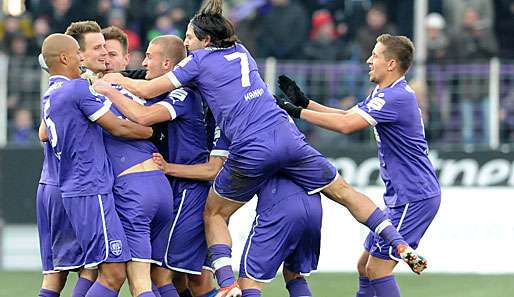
(116, 247)
(376, 104)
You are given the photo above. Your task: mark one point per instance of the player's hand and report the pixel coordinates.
(103, 87)
(114, 78)
(134, 74)
(292, 91)
(158, 159)
(290, 108)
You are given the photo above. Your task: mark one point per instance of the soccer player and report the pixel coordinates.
(73, 116)
(142, 194)
(413, 194)
(286, 229)
(262, 140)
(56, 236)
(184, 141)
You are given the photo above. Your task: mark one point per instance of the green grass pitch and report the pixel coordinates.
(322, 285)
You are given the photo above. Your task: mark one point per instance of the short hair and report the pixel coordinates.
(115, 33)
(77, 30)
(172, 47)
(398, 47)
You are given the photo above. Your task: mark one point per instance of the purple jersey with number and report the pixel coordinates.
(229, 80)
(124, 153)
(405, 167)
(185, 137)
(70, 112)
(49, 171)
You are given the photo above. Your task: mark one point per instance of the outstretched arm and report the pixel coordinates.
(143, 115)
(204, 171)
(143, 88)
(343, 123)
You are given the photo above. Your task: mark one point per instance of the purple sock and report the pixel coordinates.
(155, 290)
(298, 287)
(385, 286)
(251, 293)
(99, 290)
(210, 294)
(379, 224)
(168, 291)
(365, 288)
(47, 293)
(146, 294)
(81, 287)
(185, 293)
(220, 255)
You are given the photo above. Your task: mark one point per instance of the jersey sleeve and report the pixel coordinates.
(92, 104)
(185, 71)
(378, 108)
(220, 144)
(178, 102)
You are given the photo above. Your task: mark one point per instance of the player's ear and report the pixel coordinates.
(391, 65)
(207, 41)
(63, 58)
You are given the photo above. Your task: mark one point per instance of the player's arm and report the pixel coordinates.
(123, 128)
(205, 171)
(342, 123)
(143, 88)
(42, 133)
(143, 115)
(298, 98)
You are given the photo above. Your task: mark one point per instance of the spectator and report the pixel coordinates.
(437, 40)
(117, 19)
(163, 26)
(454, 12)
(376, 24)
(324, 44)
(22, 130)
(474, 42)
(282, 30)
(61, 15)
(41, 29)
(504, 25)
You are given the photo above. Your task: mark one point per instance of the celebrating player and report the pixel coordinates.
(184, 141)
(262, 140)
(142, 194)
(286, 229)
(413, 193)
(73, 116)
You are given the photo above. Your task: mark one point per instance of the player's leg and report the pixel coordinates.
(365, 289)
(202, 285)
(86, 278)
(217, 212)
(53, 283)
(162, 278)
(296, 284)
(381, 278)
(181, 284)
(138, 276)
(250, 287)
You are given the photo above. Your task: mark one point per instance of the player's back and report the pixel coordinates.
(77, 141)
(124, 153)
(403, 150)
(229, 80)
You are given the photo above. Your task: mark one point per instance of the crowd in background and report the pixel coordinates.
(458, 32)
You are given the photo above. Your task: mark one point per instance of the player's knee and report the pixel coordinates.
(113, 276)
(55, 281)
(161, 276)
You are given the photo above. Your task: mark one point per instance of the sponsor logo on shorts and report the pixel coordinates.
(116, 247)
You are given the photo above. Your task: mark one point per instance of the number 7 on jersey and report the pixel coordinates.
(245, 67)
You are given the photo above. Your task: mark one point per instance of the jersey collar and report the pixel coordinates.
(58, 76)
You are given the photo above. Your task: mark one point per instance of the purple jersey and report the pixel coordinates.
(402, 149)
(49, 171)
(185, 137)
(70, 111)
(229, 80)
(124, 153)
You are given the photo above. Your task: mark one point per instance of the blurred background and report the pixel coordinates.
(463, 76)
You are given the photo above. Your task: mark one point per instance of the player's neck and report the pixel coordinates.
(60, 72)
(388, 81)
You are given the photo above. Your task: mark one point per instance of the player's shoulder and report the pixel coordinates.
(401, 91)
